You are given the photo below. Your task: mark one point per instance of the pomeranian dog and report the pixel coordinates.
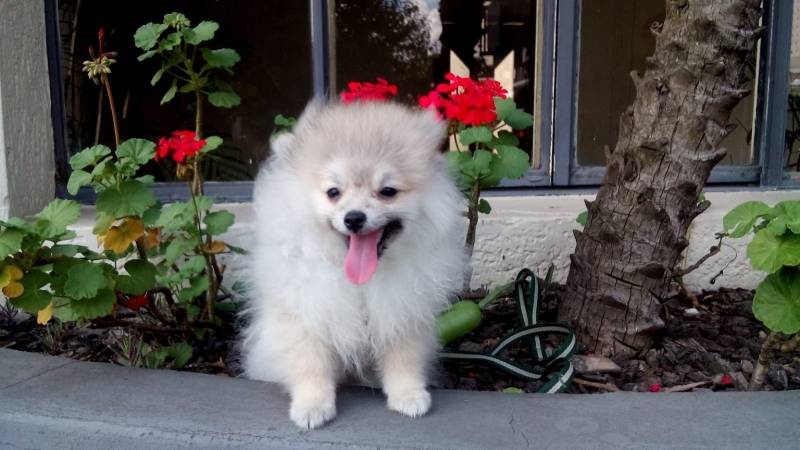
(358, 245)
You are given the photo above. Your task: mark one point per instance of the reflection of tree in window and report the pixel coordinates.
(384, 38)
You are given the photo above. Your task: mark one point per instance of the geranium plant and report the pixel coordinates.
(482, 122)
(159, 261)
(775, 249)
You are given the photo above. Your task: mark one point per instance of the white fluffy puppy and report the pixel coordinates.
(358, 244)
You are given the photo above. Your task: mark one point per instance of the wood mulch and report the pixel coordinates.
(714, 348)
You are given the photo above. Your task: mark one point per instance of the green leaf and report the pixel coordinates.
(204, 31)
(88, 157)
(193, 266)
(787, 216)
(222, 57)
(212, 143)
(176, 20)
(171, 41)
(141, 277)
(150, 217)
(179, 247)
(140, 151)
(508, 112)
(484, 206)
(478, 165)
(132, 198)
(180, 354)
(455, 161)
(10, 242)
(170, 94)
(157, 76)
(146, 179)
(284, 121)
(769, 253)
(504, 137)
(146, 55)
(56, 216)
(176, 216)
(218, 222)
(471, 135)
(33, 298)
(741, 219)
(510, 163)
(84, 279)
(582, 218)
(777, 301)
(99, 305)
(197, 286)
(102, 223)
(224, 99)
(146, 37)
(513, 390)
(78, 179)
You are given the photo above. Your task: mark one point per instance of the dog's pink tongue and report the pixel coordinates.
(362, 257)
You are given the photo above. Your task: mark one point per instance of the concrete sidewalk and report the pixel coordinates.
(49, 402)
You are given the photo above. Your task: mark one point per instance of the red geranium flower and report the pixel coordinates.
(182, 145)
(655, 387)
(726, 380)
(368, 92)
(133, 302)
(465, 100)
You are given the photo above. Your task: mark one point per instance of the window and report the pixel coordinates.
(566, 62)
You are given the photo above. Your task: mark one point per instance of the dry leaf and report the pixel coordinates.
(44, 315)
(119, 237)
(214, 247)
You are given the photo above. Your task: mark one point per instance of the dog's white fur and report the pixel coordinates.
(308, 325)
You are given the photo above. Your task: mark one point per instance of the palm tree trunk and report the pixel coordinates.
(625, 259)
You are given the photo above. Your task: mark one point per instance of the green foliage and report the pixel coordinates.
(775, 249)
(582, 218)
(284, 123)
(199, 76)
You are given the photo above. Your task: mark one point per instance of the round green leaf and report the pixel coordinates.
(10, 242)
(218, 222)
(510, 163)
(472, 135)
(78, 179)
(224, 99)
(141, 277)
(508, 112)
(56, 216)
(484, 207)
(455, 164)
(222, 57)
(132, 198)
(769, 253)
(504, 137)
(197, 286)
(777, 301)
(204, 31)
(147, 35)
(740, 220)
(33, 298)
(141, 151)
(99, 305)
(212, 143)
(84, 280)
(582, 218)
(88, 157)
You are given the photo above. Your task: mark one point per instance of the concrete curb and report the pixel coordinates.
(50, 402)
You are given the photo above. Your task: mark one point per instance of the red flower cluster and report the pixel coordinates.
(465, 100)
(183, 144)
(655, 387)
(133, 302)
(368, 92)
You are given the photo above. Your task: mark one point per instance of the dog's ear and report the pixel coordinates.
(283, 143)
(432, 128)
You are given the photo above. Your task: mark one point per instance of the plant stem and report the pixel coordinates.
(764, 361)
(107, 84)
(472, 214)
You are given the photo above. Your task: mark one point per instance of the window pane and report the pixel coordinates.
(615, 39)
(792, 152)
(273, 76)
(413, 43)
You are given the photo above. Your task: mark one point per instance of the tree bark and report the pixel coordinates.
(625, 258)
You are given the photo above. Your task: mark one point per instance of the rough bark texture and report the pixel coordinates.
(626, 256)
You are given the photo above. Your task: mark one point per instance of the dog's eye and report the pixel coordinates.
(333, 193)
(388, 192)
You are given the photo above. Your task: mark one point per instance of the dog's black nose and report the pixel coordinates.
(354, 220)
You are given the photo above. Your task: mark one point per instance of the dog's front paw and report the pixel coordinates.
(412, 403)
(311, 412)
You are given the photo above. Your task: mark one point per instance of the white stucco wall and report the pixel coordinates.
(535, 231)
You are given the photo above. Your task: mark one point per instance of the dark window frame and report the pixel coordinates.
(558, 169)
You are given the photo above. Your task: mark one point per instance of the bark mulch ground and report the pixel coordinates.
(714, 347)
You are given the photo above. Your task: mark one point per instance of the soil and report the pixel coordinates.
(714, 347)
